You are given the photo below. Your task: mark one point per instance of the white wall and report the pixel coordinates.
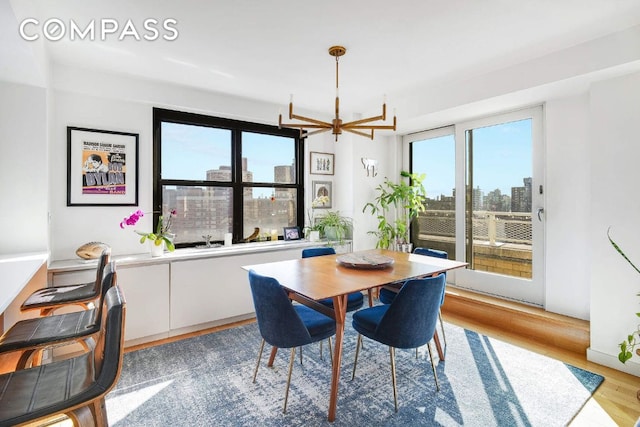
(615, 173)
(567, 200)
(23, 168)
(104, 101)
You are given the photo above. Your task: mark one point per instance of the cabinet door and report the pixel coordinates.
(213, 289)
(146, 291)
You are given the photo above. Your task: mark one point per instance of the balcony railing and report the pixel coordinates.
(494, 227)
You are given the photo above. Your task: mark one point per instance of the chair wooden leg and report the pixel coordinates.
(433, 366)
(393, 376)
(301, 355)
(330, 352)
(286, 391)
(24, 359)
(82, 417)
(255, 372)
(355, 362)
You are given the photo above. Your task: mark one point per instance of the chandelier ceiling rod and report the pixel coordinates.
(337, 126)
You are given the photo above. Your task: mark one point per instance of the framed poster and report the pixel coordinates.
(322, 195)
(321, 163)
(102, 167)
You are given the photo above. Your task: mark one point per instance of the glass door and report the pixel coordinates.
(499, 207)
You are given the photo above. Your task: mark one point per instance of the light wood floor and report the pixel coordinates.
(613, 404)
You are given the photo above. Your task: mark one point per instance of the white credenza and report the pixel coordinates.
(183, 291)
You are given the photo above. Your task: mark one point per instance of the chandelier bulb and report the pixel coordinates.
(291, 98)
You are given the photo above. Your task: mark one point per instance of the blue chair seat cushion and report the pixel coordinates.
(366, 321)
(386, 296)
(355, 300)
(318, 325)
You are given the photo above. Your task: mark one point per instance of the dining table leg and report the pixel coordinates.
(436, 340)
(272, 356)
(340, 307)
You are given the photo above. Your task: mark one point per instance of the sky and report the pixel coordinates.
(191, 151)
(502, 157)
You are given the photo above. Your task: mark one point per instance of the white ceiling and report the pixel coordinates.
(268, 49)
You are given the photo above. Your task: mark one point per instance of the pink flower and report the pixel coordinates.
(132, 219)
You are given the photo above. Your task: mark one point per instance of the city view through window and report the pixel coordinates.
(210, 199)
(498, 184)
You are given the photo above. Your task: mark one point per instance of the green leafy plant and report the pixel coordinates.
(405, 198)
(162, 233)
(333, 221)
(631, 342)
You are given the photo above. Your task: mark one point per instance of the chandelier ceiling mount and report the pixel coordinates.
(362, 127)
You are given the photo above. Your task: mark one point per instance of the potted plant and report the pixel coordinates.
(333, 226)
(163, 234)
(630, 343)
(406, 200)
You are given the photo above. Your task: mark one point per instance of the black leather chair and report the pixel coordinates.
(32, 336)
(76, 386)
(49, 299)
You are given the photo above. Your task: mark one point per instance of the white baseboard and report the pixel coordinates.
(630, 367)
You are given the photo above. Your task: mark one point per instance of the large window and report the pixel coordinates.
(225, 176)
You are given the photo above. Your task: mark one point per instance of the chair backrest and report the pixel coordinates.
(109, 280)
(410, 320)
(103, 261)
(278, 322)
(109, 349)
(319, 251)
(430, 252)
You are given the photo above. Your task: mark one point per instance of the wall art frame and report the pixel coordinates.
(322, 188)
(102, 167)
(292, 233)
(321, 163)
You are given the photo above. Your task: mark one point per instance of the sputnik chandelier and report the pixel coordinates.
(337, 126)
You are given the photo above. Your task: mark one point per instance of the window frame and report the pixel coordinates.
(237, 127)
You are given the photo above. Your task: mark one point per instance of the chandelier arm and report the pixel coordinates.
(318, 131)
(304, 126)
(360, 121)
(377, 127)
(356, 124)
(366, 135)
(310, 120)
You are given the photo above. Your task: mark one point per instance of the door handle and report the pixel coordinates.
(540, 211)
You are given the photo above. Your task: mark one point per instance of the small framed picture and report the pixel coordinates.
(292, 233)
(102, 168)
(322, 195)
(321, 163)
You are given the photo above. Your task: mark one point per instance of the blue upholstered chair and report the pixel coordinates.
(408, 322)
(284, 325)
(355, 300)
(386, 295)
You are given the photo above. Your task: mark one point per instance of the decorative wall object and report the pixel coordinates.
(322, 194)
(102, 167)
(321, 163)
(370, 166)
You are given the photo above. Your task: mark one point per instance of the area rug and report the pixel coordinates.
(207, 381)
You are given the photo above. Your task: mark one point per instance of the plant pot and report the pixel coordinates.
(156, 250)
(331, 233)
(314, 235)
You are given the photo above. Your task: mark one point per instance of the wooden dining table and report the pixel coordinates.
(309, 280)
